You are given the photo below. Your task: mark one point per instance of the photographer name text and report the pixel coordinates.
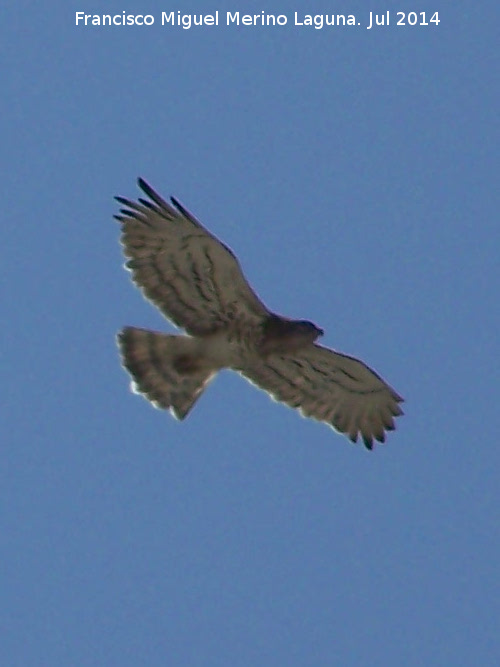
(238, 19)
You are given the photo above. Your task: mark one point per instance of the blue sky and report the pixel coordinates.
(353, 172)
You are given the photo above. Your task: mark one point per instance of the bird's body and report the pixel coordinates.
(198, 284)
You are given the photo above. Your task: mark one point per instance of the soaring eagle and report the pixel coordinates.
(197, 283)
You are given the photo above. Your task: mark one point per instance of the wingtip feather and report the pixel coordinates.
(152, 194)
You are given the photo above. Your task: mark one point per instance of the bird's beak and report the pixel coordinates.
(321, 332)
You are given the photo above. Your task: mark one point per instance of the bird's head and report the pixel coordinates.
(282, 335)
(307, 330)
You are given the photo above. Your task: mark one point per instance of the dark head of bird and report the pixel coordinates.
(307, 330)
(281, 335)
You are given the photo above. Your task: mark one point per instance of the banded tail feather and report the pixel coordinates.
(166, 369)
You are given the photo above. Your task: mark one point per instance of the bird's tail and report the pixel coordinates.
(168, 370)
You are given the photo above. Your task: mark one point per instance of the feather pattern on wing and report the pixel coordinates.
(330, 387)
(193, 278)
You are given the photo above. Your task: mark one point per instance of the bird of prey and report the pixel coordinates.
(197, 283)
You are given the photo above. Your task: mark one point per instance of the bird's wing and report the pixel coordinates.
(193, 278)
(330, 387)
